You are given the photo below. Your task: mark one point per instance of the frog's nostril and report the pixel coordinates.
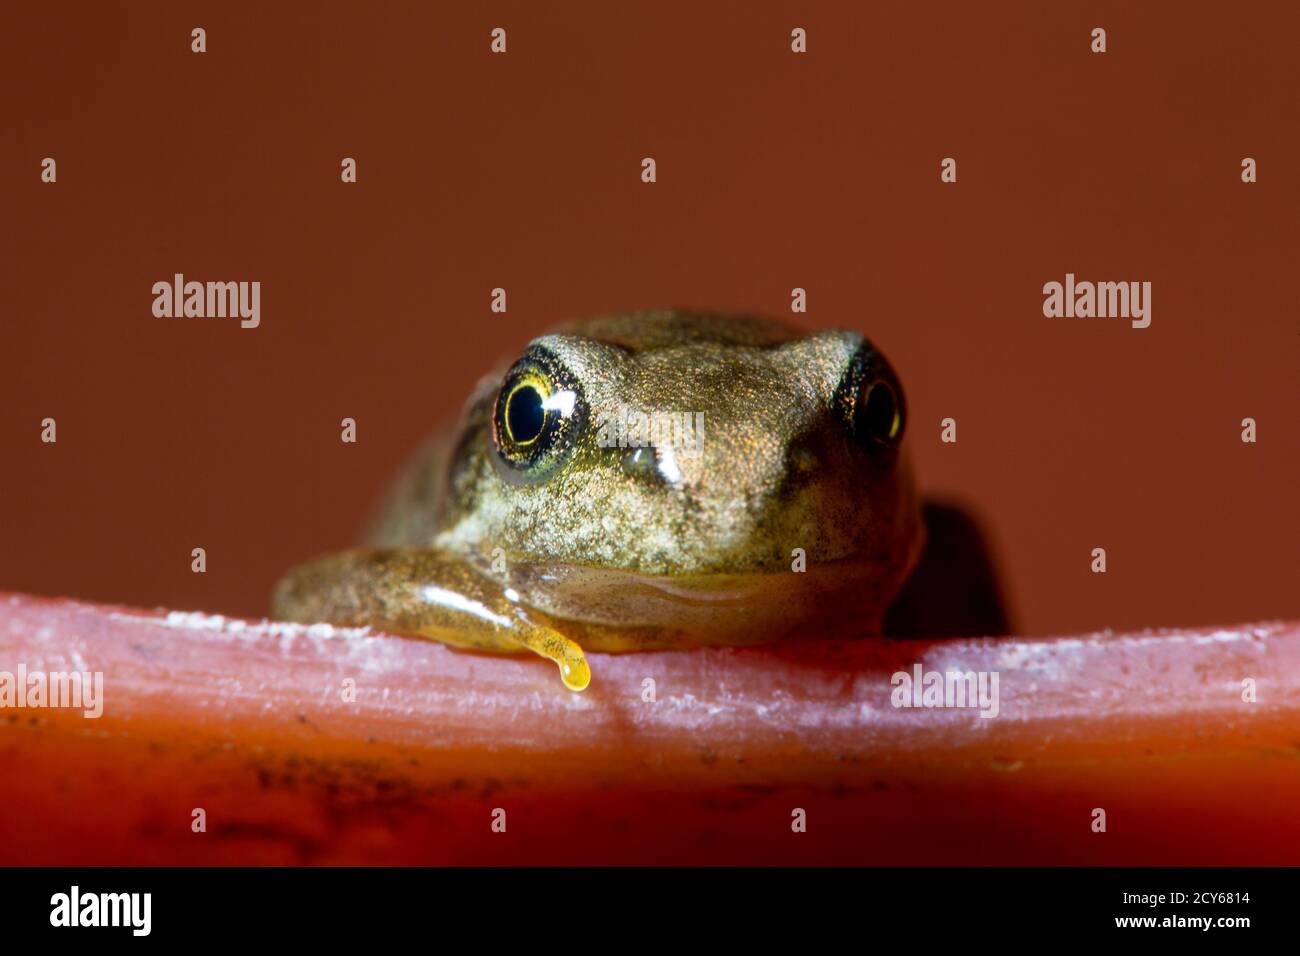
(802, 460)
(657, 463)
(639, 461)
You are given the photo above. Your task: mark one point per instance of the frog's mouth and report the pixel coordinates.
(615, 610)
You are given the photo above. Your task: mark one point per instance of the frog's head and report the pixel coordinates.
(703, 453)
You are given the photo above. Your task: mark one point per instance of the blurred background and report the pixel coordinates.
(775, 170)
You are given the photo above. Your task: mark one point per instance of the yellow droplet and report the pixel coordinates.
(576, 675)
(554, 646)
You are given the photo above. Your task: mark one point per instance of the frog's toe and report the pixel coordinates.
(554, 646)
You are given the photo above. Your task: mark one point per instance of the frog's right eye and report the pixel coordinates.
(536, 417)
(870, 401)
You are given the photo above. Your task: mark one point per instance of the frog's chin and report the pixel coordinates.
(616, 610)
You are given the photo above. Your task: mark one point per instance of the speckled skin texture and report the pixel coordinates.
(625, 552)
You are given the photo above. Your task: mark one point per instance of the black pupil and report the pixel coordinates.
(879, 412)
(525, 415)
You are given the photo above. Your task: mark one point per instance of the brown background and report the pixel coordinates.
(775, 171)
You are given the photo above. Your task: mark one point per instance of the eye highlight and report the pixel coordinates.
(537, 415)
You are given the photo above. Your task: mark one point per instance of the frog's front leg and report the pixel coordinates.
(426, 592)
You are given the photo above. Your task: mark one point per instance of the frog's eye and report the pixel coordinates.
(871, 401)
(525, 414)
(536, 416)
(879, 416)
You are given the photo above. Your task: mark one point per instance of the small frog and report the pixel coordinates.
(643, 481)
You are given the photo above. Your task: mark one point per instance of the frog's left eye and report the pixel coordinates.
(537, 416)
(878, 416)
(871, 400)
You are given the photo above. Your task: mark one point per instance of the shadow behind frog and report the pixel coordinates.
(954, 590)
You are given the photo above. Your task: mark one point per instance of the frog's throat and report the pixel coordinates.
(835, 598)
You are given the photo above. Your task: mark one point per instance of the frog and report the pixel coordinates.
(779, 507)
